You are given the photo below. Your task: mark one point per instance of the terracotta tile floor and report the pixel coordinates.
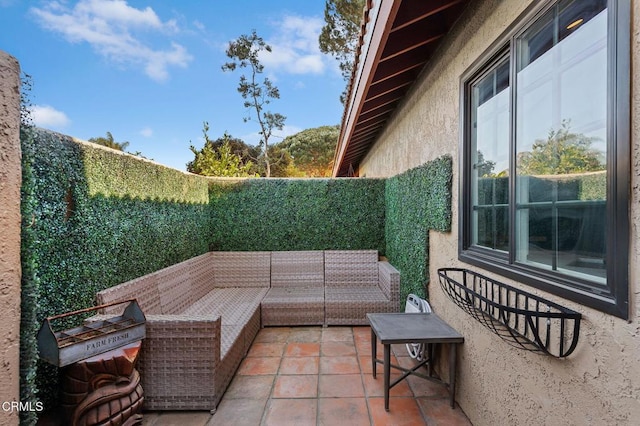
(319, 376)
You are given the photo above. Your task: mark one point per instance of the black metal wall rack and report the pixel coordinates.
(522, 319)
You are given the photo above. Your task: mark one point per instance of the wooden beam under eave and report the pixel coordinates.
(413, 47)
(375, 124)
(364, 117)
(391, 90)
(384, 104)
(406, 17)
(413, 67)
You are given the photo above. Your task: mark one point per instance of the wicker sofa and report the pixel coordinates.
(204, 313)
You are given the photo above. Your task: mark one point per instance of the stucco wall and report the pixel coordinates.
(10, 178)
(498, 384)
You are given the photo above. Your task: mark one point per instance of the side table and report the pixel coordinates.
(394, 328)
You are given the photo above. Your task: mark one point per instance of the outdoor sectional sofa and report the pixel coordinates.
(203, 314)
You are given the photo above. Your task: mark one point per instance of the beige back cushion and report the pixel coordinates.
(144, 289)
(297, 269)
(351, 268)
(241, 268)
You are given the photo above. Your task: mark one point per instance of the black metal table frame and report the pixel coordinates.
(386, 362)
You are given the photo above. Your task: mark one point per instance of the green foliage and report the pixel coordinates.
(30, 284)
(219, 159)
(77, 241)
(562, 152)
(244, 53)
(417, 201)
(313, 150)
(292, 214)
(112, 175)
(339, 35)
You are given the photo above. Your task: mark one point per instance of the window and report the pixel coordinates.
(545, 153)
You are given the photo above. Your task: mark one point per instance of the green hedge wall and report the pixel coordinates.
(290, 214)
(416, 201)
(76, 243)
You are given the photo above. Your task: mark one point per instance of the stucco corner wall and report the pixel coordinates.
(10, 273)
(498, 384)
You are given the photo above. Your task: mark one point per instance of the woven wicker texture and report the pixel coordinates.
(389, 281)
(234, 305)
(241, 269)
(357, 284)
(297, 269)
(350, 268)
(201, 275)
(175, 289)
(293, 306)
(203, 314)
(179, 362)
(144, 289)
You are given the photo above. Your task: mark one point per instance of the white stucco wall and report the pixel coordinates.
(497, 384)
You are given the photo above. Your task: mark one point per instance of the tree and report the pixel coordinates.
(484, 167)
(339, 36)
(562, 152)
(313, 150)
(110, 142)
(244, 53)
(216, 158)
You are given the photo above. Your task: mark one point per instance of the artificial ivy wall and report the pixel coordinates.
(297, 214)
(93, 218)
(417, 201)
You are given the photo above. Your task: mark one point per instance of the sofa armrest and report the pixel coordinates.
(389, 281)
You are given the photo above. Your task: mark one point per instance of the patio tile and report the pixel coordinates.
(340, 386)
(365, 364)
(250, 387)
(273, 335)
(259, 366)
(364, 330)
(238, 412)
(302, 349)
(363, 346)
(337, 349)
(343, 411)
(427, 388)
(337, 334)
(305, 334)
(375, 387)
(402, 411)
(339, 365)
(294, 412)
(266, 349)
(296, 387)
(300, 365)
(319, 377)
(438, 412)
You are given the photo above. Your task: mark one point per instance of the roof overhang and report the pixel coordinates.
(397, 42)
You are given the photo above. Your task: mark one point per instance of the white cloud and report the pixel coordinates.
(295, 47)
(110, 27)
(48, 117)
(147, 132)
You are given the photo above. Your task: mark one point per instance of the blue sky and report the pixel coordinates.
(150, 72)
